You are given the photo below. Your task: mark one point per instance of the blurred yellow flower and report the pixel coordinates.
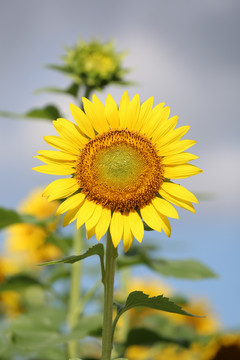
(10, 303)
(225, 347)
(26, 243)
(9, 300)
(206, 325)
(170, 352)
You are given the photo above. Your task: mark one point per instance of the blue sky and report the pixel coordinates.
(183, 53)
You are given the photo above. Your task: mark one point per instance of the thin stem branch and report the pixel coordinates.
(74, 296)
(107, 341)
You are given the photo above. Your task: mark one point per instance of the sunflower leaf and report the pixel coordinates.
(146, 336)
(19, 282)
(138, 298)
(8, 217)
(97, 249)
(49, 112)
(70, 90)
(188, 269)
(185, 269)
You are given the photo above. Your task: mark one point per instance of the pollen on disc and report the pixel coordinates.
(120, 166)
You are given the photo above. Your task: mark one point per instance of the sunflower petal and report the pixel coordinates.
(61, 188)
(127, 234)
(179, 191)
(92, 222)
(62, 144)
(158, 115)
(116, 227)
(54, 169)
(85, 212)
(123, 106)
(145, 110)
(82, 121)
(173, 135)
(164, 128)
(70, 203)
(111, 111)
(151, 217)
(136, 226)
(175, 147)
(176, 201)
(179, 159)
(163, 207)
(103, 223)
(57, 155)
(165, 225)
(90, 232)
(69, 131)
(52, 161)
(71, 215)
(133, 112)
(181, 171)
(98, 121)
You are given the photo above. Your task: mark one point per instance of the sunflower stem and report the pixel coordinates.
(107, 341)
(75, 292)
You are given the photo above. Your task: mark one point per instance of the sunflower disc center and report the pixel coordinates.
(120, 169)
(120, 166)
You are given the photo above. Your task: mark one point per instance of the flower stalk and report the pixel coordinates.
(107, 341)
(74, 296)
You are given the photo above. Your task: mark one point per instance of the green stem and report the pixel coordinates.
(74, 296)
(107, 341)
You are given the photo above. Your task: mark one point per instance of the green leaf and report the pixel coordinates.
(97, 249)
(145, 336)
(4, 343)
(70, 90)
(48, 112)
(138, 298)
(87, 326)
(188, 269)
(19, 282)
(8, 217)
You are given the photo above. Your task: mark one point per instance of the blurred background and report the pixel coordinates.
(183, 53)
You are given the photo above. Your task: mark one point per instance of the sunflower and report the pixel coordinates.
(121, 161)
(225, 347)
(26, 243)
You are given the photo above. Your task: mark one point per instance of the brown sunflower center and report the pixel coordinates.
(120, 169)
(228, 352)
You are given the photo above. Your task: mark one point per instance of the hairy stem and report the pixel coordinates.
(74, 296)
(107, 341)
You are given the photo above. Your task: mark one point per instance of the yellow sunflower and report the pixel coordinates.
(26, 243)
(225, 347)
(121, 161)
